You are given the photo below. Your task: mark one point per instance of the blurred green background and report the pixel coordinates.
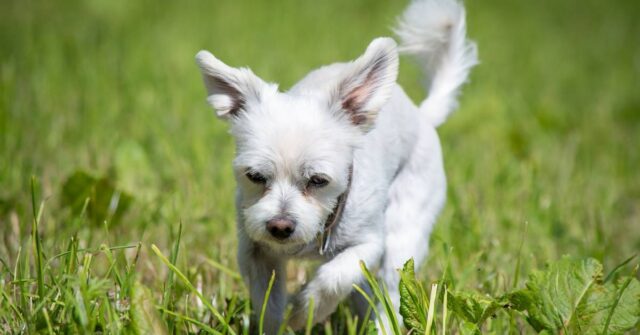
(547, 136)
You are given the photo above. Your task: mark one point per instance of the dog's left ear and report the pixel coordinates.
(229, 90)
(366, 84)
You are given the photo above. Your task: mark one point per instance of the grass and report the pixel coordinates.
(542, 158)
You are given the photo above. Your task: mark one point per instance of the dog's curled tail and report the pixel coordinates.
(434, 32)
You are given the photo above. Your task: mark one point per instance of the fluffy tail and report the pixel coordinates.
(434, 32)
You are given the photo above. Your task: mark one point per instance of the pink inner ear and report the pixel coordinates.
(217, 85)
(356, 99)
(354, 102)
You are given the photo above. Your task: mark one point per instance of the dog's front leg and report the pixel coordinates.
(334, 281)
(257, 267)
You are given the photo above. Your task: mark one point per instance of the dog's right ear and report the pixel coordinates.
(366, 83)
(229, 89)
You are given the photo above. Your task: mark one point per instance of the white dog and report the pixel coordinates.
(342, 167)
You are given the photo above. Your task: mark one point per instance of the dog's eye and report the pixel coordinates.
(256, 177)
(318, 181)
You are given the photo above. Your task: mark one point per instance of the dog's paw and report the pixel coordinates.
(324, 303)
(299, 312)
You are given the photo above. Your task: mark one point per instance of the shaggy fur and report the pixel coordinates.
(341, 117)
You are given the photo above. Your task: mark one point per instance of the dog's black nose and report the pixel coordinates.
(281, 228)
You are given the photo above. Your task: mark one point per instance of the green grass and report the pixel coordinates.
(542, 158)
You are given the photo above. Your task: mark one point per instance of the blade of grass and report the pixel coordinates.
(191, 288)
(222, 268)
(113, 321)
(132, 265)
(89, 250)
(386, 303)
(36, 238)
(446, 272)
(618, 267)
(22, 289)
(77, 302)
(263, 310)
(47, 321)
(389, 307)
(605, 330)
(12, 306)
(170, 277)
(444, 310)
(432, 308)
(328, 331)
(285, 318)
(190, 320)
(373, 306)
(365, 321)
(6, 266)
(112, 265)
(168, 290)
(245, 318)
(307, 330)
(72, 251)
(43, 301)
(231, 312)
(516, 276)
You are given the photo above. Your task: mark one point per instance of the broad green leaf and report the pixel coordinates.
(413, 301)
(553, 297)
(469, 328)
(106, 202)
(619, 304)
(570, 296)
(472, 307)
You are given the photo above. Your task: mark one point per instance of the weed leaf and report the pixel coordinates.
(570, 296)
(472, 307)
(620, 307)
(107, 202)
(413, 301)
(469, 328)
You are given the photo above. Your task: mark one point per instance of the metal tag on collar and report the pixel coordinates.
(324, 242)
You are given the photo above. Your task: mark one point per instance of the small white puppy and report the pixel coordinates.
(343, 166)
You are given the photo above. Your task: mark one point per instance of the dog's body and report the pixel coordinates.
(343, 167)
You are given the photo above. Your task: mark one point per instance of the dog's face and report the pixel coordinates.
(295, 149)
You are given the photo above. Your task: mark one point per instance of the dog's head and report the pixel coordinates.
(295, 149)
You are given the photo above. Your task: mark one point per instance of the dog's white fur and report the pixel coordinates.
(342, 116)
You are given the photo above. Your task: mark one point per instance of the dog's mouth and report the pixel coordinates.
(286, 242)
(288, 246)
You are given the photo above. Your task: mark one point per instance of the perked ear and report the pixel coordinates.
(228, 89)
(366, 84)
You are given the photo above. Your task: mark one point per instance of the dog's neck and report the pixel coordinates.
(335, 216)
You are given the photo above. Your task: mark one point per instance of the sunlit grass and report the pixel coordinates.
(541, 158)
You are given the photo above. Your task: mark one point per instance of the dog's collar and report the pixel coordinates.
(335, 216)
